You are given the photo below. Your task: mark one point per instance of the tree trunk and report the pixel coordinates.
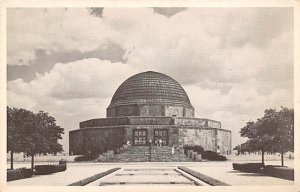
(11, 159)
(32, 161)
(262, 157)
(282, 164)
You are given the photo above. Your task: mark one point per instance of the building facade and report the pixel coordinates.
(146, 108)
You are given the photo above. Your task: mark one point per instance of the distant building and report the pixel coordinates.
(149, 107)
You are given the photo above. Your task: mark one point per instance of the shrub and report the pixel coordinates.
(19, 174)
(85, 158)
(199, 149)
(48, 169)
(213, 156)
(248, 167)
(196, 148)
(62, 162)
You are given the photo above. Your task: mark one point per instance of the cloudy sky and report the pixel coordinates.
(233, 62)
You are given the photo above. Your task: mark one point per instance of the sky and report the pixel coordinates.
(233, 62)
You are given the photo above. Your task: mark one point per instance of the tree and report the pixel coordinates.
(32, 133)
(43, 136)
(274, 132)
(18, 121)
(284, 134)
(11, 135)
(259, 134)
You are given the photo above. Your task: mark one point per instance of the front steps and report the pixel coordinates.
(146, 153)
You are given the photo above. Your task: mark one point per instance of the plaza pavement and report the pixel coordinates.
(219, 170)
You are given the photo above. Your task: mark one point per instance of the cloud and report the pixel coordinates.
(233, 62)
(71, 92)
(88, 78)
(209, 44)
(217, 45)
(240, 105)
(44, 61)
(52, 30)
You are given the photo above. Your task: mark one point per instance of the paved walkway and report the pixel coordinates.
(219, 170)
(74, 172)
(226, 174)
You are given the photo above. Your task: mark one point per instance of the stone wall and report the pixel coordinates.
(197, 136)
(136, 120)
(173, 111)
(190, 122)
(104, 122)
(204, 123)
(75, 142)
(150, 120)
(96, 140)
(111, 112)
(224, 141)
(213, 124)
(189, 112)
(149, 111)
(127, 110)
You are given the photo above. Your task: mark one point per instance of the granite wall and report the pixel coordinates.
(149, 110)
(224, 141)
(96, 140)
(99, 135)
(209, 138)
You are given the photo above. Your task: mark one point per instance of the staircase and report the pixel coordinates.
(146, 153)
(164, 154)
(132, 154)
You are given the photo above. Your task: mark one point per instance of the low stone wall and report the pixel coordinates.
(19, 174)
(279, 172)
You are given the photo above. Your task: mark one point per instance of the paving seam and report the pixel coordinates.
(147, 169)
(147, 182)
(131, 174)
(94, 177)
(209, 180)
(189, 177)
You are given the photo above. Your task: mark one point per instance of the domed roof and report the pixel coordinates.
(150, 88)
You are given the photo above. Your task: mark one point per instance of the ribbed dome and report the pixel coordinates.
(150, 88)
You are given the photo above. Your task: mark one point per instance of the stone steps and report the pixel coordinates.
(143, 153)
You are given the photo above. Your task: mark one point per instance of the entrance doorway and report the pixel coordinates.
(161, 134)
(140, 137)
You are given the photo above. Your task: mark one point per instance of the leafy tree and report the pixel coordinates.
(260, 135)
(284, 134)
(18, 121)
(96, 11)
(244, 147)
(43, 136)
(32, 133)
(274, 132)
(11, 135)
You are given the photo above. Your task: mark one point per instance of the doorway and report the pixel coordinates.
(140, 137)
(162, 134)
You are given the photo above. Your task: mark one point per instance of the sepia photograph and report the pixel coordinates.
(116, 97)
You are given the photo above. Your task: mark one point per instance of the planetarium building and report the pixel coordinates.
(147, 108)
